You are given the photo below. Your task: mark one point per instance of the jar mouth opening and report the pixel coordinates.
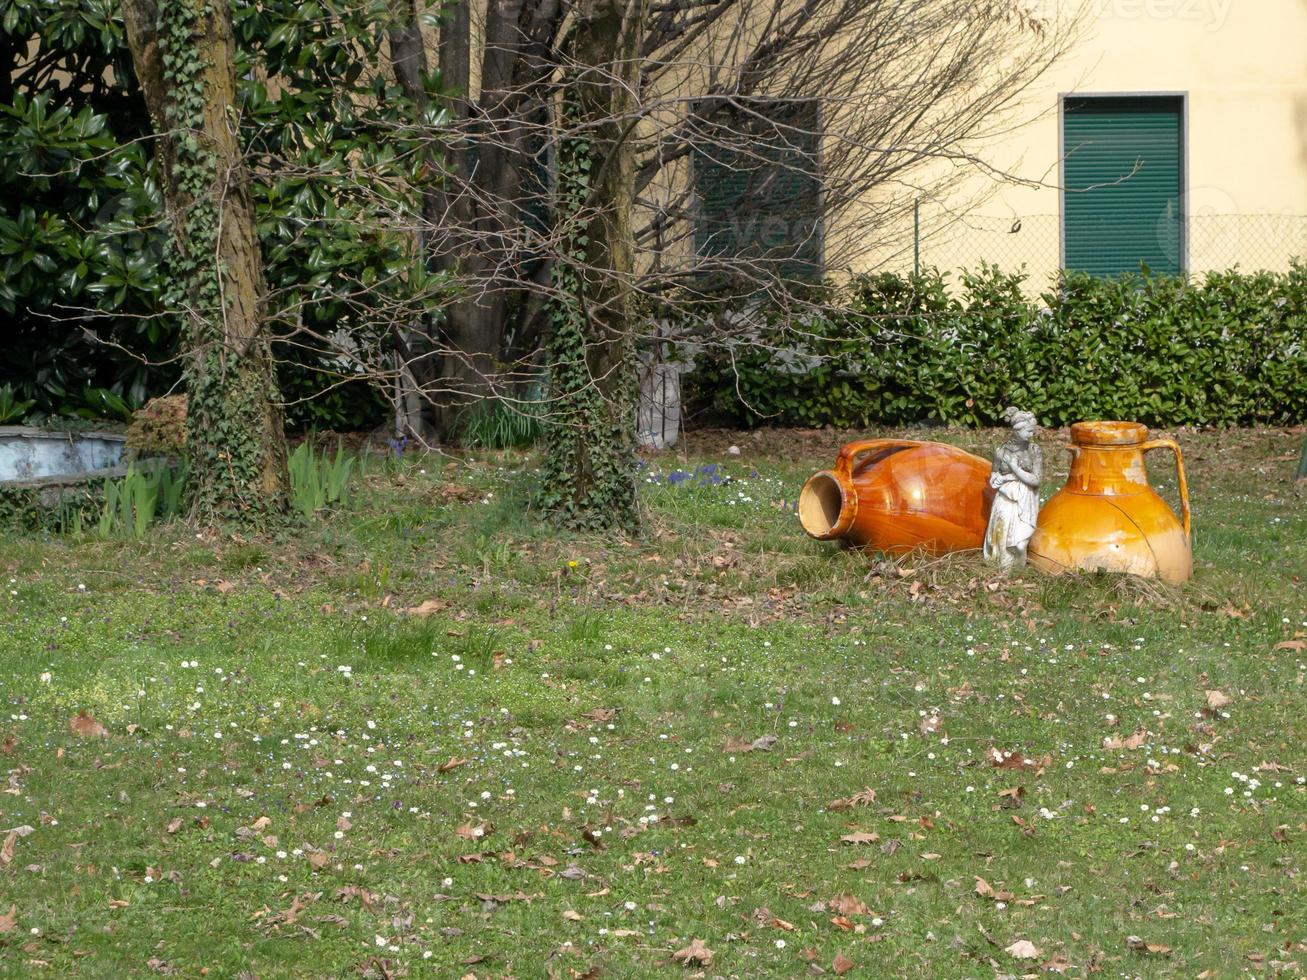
(822, 506)
(1105, 433)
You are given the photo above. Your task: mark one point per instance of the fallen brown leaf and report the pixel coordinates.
(364, 896)
(7, 849)
(1216, 700)
(1139, 946)
(985, 890)
(472, 831)
(1022, 949)
(424, 608)
(1013, 759)
(860, 837)
(83, 724)
(695, 954)
(9, 921)
(453, 763)
(1129, 742)
(841, 965)
(848, 905)
(865, 797)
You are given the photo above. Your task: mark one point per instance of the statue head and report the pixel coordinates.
(1022, 423)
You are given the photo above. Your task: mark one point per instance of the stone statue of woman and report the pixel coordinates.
(1018, 470)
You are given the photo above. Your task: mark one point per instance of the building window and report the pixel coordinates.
(1123, 164)
(757, 187)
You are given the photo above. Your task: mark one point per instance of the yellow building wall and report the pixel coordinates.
(1242, 65)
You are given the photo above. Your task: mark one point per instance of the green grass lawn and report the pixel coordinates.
(426, 736)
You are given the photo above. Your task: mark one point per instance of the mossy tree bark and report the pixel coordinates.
(589, 471)
(184, 55)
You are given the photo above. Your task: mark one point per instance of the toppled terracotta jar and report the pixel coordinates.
(899, 495)
(1108, 517)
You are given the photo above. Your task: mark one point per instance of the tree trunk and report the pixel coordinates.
(472, 330)
(183, 52)
(408, 58)
(494, 179)
(589, 469)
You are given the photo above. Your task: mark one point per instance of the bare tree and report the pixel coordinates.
(827, 118)
(737, 152)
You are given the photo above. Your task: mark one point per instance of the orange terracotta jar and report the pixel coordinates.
(898, 495)
(1107, 517)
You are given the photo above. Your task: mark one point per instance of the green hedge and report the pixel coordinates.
(1231, 349)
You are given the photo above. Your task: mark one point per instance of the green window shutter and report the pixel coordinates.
(1123, 174)
(757, 186)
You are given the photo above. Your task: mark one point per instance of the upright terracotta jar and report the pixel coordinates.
(1108, 517)
(898, 495)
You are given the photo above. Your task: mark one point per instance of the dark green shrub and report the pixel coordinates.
(1231, 349)
(82, 236)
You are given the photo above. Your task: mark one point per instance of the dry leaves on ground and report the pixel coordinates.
(848, 905)
(1023, 949)
(1216, 700)
(425, 608)
(696, 954)
(1129, 742)
(864, 798)
(1004, 759)
(985, 890)
(472, 831)
(763, 743)
(83, 724)
(860, 837)
(1139, 946)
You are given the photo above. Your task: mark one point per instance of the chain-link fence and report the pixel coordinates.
(1215, 242)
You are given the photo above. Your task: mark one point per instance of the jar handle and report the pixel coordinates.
(849, 453)
(1172, 445)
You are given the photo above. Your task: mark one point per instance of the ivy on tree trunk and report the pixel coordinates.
(589, 465)
(183, 52)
